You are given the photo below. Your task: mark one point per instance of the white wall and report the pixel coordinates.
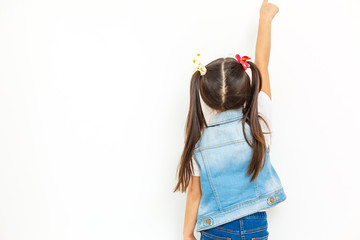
(93, 101)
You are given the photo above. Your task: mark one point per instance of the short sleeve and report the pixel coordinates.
(265, 110)
(196, 168)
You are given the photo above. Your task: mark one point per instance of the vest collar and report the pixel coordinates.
(226, 116)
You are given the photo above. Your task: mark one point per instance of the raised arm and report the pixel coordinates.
(263, 43)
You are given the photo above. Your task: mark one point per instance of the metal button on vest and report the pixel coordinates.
(208, 221)
(272, 199)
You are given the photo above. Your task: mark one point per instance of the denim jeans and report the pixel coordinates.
(250, 227)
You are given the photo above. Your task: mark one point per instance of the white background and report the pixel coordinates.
(93, 101)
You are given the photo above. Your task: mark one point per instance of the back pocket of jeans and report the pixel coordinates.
(253, 226)
(261, 238)
(206, 236)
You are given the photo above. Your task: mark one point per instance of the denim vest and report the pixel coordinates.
(226, 191)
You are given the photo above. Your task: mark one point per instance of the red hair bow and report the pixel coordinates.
(243, 61)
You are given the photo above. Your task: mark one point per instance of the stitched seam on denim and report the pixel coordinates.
(244, 203)
(213, 236)
(242, 229)
(261, 238)
(232, 119)
(209, 177)
(220, 145)
(255, 230)
(226, 230)
(224, 121)
(256, 188)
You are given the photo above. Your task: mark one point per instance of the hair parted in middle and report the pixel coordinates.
(225, 86)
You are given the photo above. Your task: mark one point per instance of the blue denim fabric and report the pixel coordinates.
(251, 227)
(223, 156)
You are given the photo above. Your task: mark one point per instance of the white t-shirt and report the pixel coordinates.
(264, 109)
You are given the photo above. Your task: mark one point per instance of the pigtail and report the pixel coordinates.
(252, 118)
(195, 123)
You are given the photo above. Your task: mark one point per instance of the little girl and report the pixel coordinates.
(225, 163)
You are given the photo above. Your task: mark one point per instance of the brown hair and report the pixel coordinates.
(225, 86)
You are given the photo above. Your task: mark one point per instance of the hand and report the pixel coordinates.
(191, 237)
(268, 10)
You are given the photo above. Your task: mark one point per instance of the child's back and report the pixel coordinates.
(223, 156)
(226, 163)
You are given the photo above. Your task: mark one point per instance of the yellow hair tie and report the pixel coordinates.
(198, 65)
